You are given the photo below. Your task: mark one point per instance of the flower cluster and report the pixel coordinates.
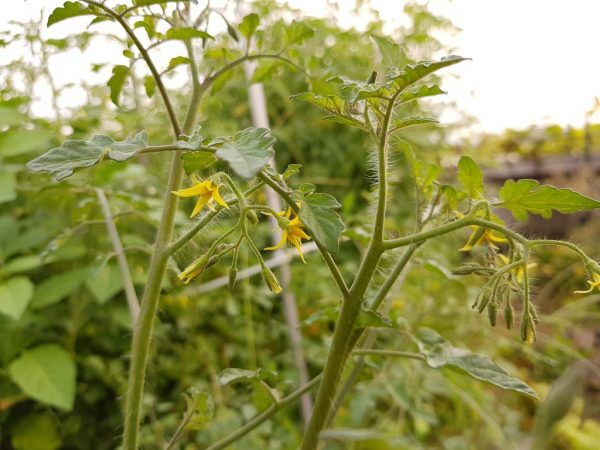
(293, 231)
(207, 192)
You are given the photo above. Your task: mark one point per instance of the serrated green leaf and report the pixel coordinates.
(408, 122)
(528, 196)
(415, 72)
(392, 55)
(194, 142)
(422, 91)
(248, 151)
(249, 25)
(68, 10)
(38, 431)
(471, 177)
(297, 32)
(75, 154)
(15, 295)
(117, 81)
(47, 374)
(440, 353)
(345, 121)
(193, 161)
(318, 214)
(185, 33)
(332, 104)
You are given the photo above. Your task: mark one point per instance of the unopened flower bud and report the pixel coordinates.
(194, 269)
(271, 281)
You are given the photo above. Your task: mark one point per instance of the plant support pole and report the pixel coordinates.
(260, 119)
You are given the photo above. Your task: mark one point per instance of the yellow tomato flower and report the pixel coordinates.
(293, 232)
(594, 283)
(207, 192)
(518, 271)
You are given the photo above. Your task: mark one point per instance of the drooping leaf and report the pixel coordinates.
(68, 10)
(47, 374)
(249, 25)
(471, 177)
(117, 81)
(149, 85)
(391, 53)
(440, 353)
(408, 122)
(38, 431)
(75, 154)
(415, 72)
(297, 32)
(318, 213)
(193, 161)
(15, 295)
(528, 196)
(248, 151)
(187, 33)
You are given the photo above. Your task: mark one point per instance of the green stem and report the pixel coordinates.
(268, 413)
(573, 247)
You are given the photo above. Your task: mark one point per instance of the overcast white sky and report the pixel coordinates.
(534, 61)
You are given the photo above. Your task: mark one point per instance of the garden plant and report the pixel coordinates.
(218, 180)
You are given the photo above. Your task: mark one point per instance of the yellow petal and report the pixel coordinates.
(284, 236)
(199, 205)
(218, 199)
(295, 241)
(197, 189)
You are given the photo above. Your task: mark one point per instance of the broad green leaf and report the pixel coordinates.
(248, 152)
(21, 264)
(318, 214)
(52, 290)
(149, 85)
(8, 186)
(187, 33)
(178, 61)
(440, 353)
(391, 53)
(68, 10)
(11, 117)
(47, 374)
(407, 122)
(528, 196)
(471, 177)
(75, 154)
(420, 92)
(193, 161)
(20, 141)
(297, 32)
(117, 81)
(249, 25)
(15, 294)
(37, 431)
(106, 284)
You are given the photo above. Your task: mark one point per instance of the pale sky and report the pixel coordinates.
(534, 61)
